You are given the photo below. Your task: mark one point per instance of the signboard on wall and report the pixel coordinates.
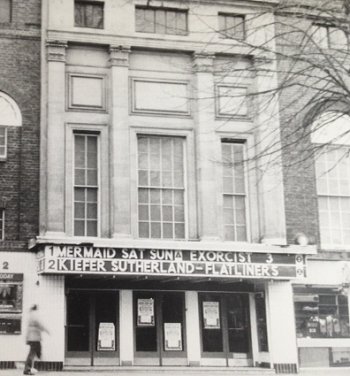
(145, 312)
(70, 259)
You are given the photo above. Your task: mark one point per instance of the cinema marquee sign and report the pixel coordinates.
(71, 259)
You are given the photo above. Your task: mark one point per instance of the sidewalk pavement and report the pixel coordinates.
(171, 372)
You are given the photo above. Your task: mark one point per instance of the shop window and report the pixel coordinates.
(234, 191)
(331, 137)
(86, 184)
(328, 36)
(88, 14)
(161, 187)
(11, 297)
(232, 26)
(161, 20)
(321, 313)
(5, 11)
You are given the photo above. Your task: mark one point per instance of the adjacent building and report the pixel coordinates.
(20, 50)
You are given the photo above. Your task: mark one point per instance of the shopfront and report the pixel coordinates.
(322, 314)
(171, 307)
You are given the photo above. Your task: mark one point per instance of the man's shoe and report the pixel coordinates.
(33, 371)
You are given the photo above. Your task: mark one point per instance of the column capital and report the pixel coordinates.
(56, 50)
(203, 62)
(119, 56)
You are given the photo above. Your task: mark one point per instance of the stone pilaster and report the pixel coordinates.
(55, 168)
(120, 148)
(204, 117)
(268, 153)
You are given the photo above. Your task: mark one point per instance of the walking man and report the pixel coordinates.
(33, 339)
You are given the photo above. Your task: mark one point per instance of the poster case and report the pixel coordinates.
(106, 337)
(145, 312)
(211, 315)
(172, 336)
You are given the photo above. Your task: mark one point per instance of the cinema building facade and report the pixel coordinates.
(162, 231)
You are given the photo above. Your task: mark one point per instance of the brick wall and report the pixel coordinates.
(297, 151)
(20, 79)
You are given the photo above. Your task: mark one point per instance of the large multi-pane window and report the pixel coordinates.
(333, 188)
(161, 187)
(161, 20)
(85, 184)
(88, 14)
(5, 11)
(234, 191)
(332, 164)
(232, 26)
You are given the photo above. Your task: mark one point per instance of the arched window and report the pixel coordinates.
(331, 130)
(10, 116)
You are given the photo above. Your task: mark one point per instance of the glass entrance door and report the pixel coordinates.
(159, 328)
(91, 328)
(225, 328)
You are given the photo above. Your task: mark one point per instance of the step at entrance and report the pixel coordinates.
(174, 371)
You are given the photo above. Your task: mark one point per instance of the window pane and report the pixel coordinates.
(155, 213)
(143, 195)
(91, 228)
(143, 213)
(143, 230)
(179, 231)
(5, 11)
(171, 22)
(79, 194)
(140, 20)
(181, 23)
(168, 230)
(160, 22)
(92, 211)
(167, 213)
(92, 195)
(79, 228)
(79, 210)
(149, 26)
(155, 230)
(143, 177)
(179, 214)
(92, 177)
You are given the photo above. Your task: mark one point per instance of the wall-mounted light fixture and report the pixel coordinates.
(301, 239)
